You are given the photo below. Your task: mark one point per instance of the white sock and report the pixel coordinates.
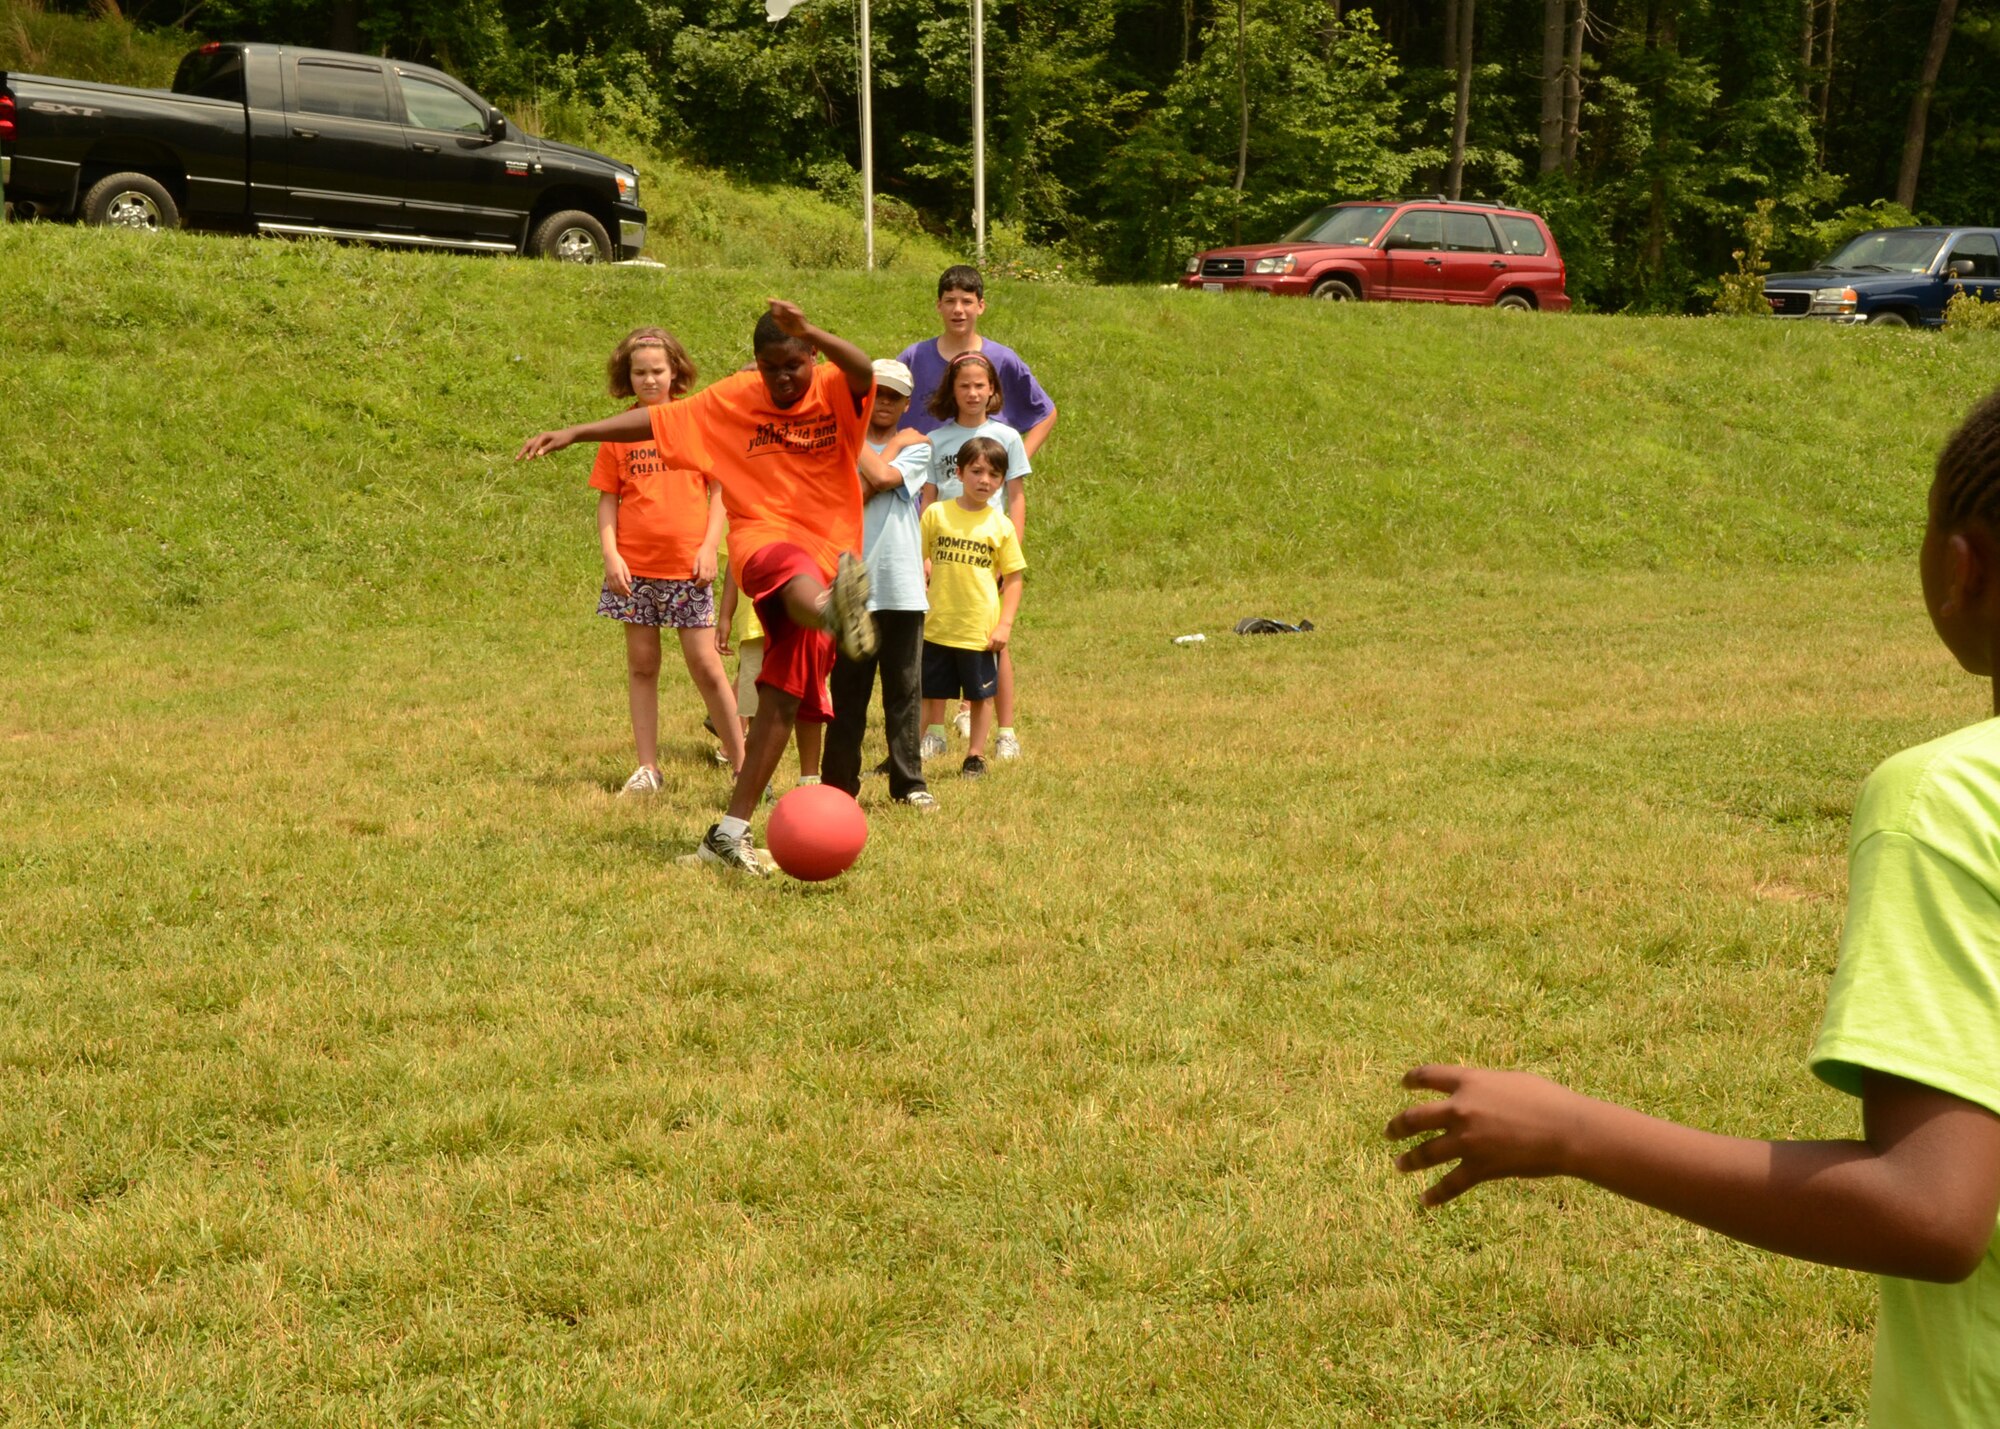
(732, 827)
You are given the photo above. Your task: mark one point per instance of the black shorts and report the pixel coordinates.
(950, 672)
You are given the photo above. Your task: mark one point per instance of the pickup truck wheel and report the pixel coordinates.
(1888, 319)
(571, 236)
(130, 201)
(1335, 290)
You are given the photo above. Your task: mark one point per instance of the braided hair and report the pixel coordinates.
(1968, 469)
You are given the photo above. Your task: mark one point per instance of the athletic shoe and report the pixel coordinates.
(853, 627)
(921, 799)
(805, 779)
(739, 854)
(961, 723)
(931, 746)
(721, 757)
(644, 780)
(973, 767)
(1007, 746)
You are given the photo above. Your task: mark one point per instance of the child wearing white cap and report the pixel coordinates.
(892, 548)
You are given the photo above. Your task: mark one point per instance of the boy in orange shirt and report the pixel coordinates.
(783, 443)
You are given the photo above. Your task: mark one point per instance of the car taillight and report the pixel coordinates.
(213, 47)
(6, 117)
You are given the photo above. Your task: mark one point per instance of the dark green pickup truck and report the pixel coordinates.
(272, 139)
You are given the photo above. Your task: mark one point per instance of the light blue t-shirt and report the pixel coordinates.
(947, 439)
(891, 537)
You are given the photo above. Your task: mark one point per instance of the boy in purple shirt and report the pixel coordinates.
(1024, 406)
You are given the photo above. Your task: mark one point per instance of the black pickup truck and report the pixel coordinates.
(272, 139)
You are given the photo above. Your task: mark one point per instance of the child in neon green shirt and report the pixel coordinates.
(1912, 1028)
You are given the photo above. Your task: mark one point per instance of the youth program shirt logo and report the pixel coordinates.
(799, 436)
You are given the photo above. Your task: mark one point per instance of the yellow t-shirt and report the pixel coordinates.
(1917, 995)
(967, 550)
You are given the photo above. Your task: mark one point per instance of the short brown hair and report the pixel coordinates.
(983, 448)
(1968, 469)
(618, 371)
(943, 403)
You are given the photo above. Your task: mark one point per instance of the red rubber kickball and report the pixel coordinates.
(816, 832)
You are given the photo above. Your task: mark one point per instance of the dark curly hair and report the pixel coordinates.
(1968, 469)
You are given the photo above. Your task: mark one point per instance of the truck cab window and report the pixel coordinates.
(211, 76)
(350, 91)
(432, 106)
(1981, 251)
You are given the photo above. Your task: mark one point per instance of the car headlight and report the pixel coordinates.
(1835, 300)
(1194, 263)
(1277, 265)
(628, 187)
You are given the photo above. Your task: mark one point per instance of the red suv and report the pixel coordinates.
(1413, 250)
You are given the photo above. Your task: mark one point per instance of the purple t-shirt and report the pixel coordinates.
(1023, 403)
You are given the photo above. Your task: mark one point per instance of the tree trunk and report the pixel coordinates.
(343, 25)
(1554, 14)
(1920, 105)
(1187, 30)
(1454, 174)
(1808, 13)
(1573, 87)
(1826, 76)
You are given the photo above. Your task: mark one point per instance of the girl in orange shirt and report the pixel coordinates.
(659, 527)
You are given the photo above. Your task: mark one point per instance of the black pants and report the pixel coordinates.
(899, 636)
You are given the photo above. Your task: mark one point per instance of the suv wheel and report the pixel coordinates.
(130, 201)
(1889, 319)
(1335, 290)
(571, 236)
(1515, 303)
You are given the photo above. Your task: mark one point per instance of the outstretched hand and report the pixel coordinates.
(1493, 1124)
(542, 443)
(789, 316)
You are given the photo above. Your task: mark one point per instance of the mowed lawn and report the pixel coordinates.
(363, 1060)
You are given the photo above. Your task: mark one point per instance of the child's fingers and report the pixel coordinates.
(1434, 1078)
(1450, 1186)
(1419, 1119)
(1435, 1152)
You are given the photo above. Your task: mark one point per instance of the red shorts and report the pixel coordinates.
(797, 660)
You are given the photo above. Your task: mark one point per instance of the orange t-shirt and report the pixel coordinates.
(662, 508)
(787, 474)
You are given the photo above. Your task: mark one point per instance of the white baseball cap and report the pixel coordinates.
(893, 376)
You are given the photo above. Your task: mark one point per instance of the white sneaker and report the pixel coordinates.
(718, 848)
(721, 757)
(920, 799)
(931, 746)
(1007, 746)
(805, 779)
(645, 780)
(961, 724)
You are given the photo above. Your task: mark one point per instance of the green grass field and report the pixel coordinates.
(365, 1062)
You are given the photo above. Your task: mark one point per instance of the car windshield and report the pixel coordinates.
(1894, 250)
(1339, 223)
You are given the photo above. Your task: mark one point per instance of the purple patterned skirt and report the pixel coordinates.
(677, 605)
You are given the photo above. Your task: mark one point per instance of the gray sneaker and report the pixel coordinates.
(852, 626)
(718, 848)
(920, 799)
(931, 746)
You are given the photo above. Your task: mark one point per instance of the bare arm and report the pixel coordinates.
(854, 364)
(1915, 1198)
(877, 476)
(1017, 506)
(1033, 438)
(1010, 606)
(617, 574)
(925, 496)
(711, 539)
(632, 426)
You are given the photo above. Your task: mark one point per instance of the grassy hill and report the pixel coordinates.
(367, 1062)
(343, 421)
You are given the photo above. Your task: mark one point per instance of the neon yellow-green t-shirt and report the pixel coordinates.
(1917, 995)
(745, 625)
(967, 549)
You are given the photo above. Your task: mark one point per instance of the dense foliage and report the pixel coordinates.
(1116, 127)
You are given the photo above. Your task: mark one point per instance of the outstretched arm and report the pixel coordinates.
(855, 365)
(1033, 438)
(1915, 1198)
(632, 426)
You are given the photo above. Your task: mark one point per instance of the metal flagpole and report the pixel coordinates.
(867, 147)
(979, 130)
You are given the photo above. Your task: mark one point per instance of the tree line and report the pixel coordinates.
(1128, 133)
